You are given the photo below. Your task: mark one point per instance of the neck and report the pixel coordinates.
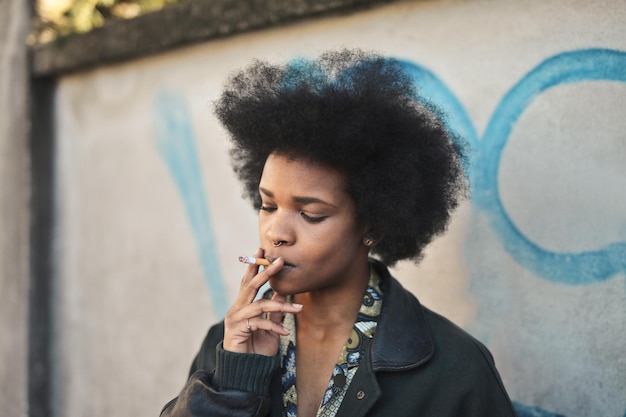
(328, 310)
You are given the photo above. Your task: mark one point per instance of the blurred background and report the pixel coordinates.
(121, 221)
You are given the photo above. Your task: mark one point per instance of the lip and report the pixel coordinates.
(286, 264)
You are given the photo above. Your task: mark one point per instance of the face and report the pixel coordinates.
(306, 207)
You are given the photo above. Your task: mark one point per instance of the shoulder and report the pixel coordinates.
(454, 350)
(463, 362)
(452, 341)
(467, 367)
(410, 318)
(457, 366)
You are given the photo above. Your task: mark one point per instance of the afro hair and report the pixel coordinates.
(359, 113)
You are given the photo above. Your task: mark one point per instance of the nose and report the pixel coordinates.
(278, 229)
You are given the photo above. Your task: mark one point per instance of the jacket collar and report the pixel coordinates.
(402, 339)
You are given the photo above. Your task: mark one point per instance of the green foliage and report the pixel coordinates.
(58, 18)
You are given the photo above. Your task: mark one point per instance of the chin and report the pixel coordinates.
(283, 288)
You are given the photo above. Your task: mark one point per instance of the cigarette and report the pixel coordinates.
(254, 261)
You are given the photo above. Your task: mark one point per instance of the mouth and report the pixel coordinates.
(286, 263)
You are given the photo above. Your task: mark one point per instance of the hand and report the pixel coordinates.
(255, 326)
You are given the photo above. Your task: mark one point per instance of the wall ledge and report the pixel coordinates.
(177, 26)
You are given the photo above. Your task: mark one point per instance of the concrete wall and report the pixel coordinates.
(150, 220)
(14, 192)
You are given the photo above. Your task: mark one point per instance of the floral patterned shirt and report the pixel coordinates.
(348, 361)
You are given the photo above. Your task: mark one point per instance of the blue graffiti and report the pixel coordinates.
(176, 143)
(175, 140)
(569, 67)
(529, 411)
(435, 91)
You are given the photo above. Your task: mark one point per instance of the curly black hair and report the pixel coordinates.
(360, 113)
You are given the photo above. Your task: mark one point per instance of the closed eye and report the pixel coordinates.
(312, 219)
(306, 217)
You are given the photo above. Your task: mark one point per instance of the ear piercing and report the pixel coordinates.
(368, 241)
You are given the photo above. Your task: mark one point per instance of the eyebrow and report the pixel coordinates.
(299, 199)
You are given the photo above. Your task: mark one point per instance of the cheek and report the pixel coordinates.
(339, 242)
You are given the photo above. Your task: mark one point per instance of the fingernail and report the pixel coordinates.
(286, 330)
(297, 305)
(275, 260)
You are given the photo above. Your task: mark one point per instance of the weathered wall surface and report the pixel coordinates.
(14, 192)
(150, 219)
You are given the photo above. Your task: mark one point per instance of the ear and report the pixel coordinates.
(371, 238)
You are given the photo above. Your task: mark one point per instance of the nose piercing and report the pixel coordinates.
(277, 244)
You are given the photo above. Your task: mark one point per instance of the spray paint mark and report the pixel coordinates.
(529, 411)
(176, 143)
(433, 90)
(573, 268)
(567, 268)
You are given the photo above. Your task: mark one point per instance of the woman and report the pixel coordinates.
(343, 161)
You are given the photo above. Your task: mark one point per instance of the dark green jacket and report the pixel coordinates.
(419, 364)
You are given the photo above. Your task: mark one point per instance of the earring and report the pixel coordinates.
(368, 241)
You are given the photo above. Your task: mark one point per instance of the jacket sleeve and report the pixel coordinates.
(237, 387)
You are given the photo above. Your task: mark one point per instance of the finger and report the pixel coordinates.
(260, 307)
(250, 289)
(251, 269)
(259, 323)
(277, 317)
(236, 320)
